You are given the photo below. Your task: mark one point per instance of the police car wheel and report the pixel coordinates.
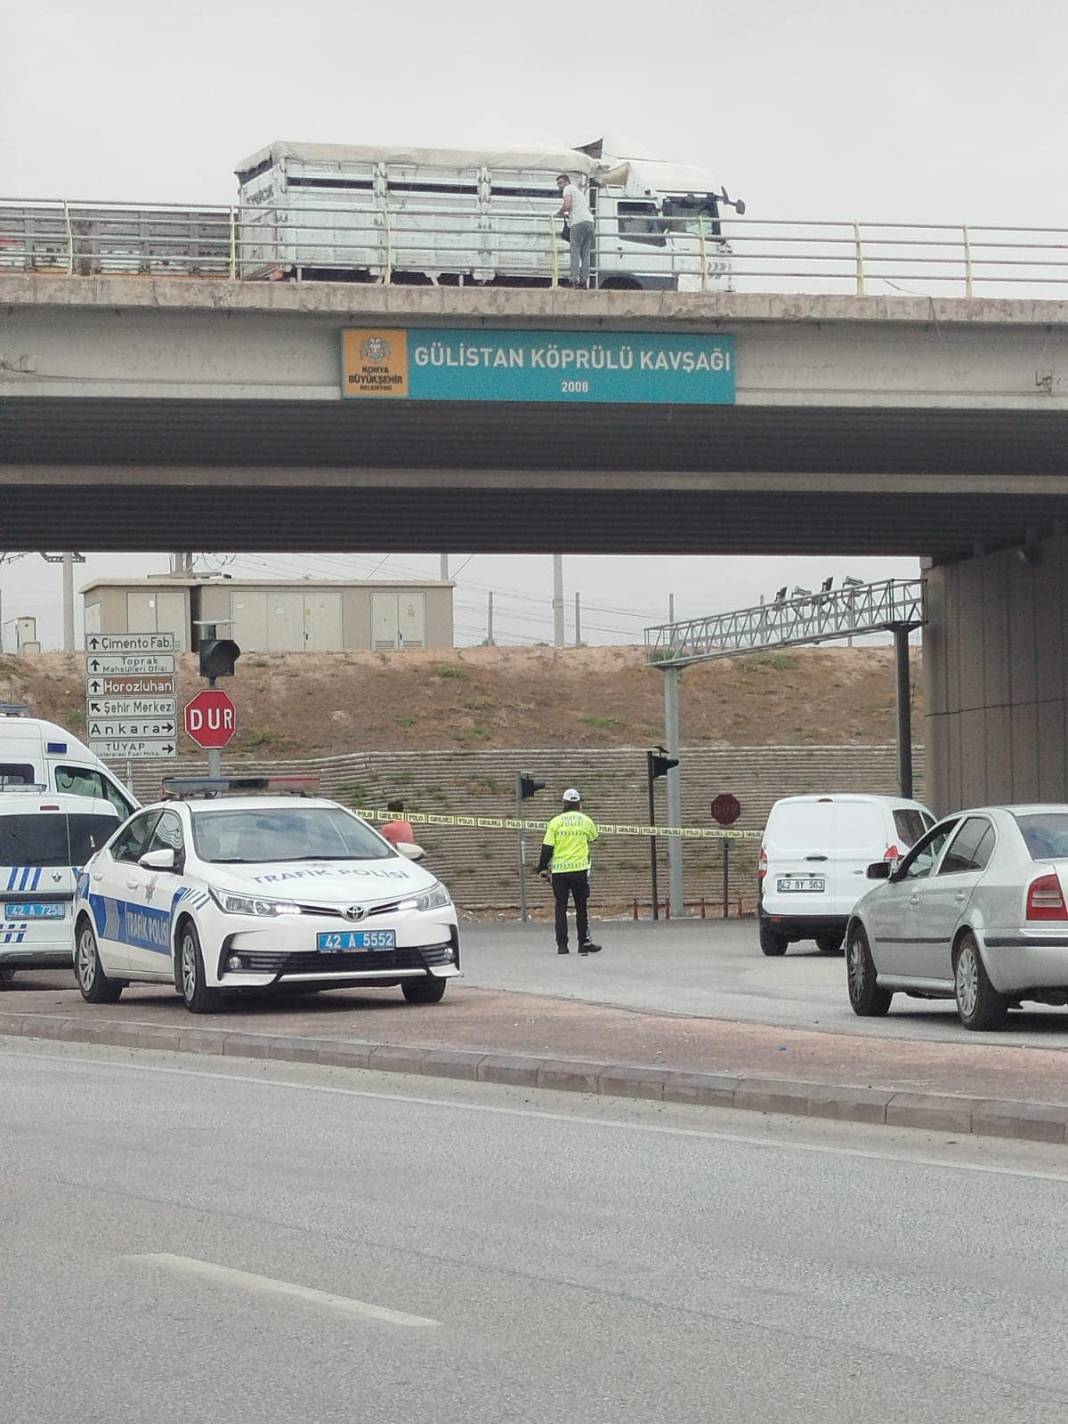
(196, 995)
(6, 974)
(424, 991)
(95, 986)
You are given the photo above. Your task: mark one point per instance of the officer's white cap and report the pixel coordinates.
(571, 794)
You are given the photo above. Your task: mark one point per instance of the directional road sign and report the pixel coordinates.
(211, 718)
(129, 643)
(133, 748)
(132, 727)
(139, 685)
(130, 695)
(129, 662)
(158, 707)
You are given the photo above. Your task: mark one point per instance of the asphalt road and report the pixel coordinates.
(262, 1243)
(715, 968)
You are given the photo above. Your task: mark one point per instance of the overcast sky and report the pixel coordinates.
(900, 110)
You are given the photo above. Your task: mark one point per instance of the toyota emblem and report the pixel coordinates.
(355, 912)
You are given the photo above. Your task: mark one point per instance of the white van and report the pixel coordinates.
(41, 754)
(814, 857)
(45, 839)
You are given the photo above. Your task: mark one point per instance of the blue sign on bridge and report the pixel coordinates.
(620, 367)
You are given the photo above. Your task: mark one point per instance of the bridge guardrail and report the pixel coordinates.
(396, 244)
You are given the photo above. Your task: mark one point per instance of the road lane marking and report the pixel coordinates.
(743, 1139)
(266, 1285)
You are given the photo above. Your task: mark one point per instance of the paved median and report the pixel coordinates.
(529, 1041)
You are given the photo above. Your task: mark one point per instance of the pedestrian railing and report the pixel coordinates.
(407, 244)
(854, 609)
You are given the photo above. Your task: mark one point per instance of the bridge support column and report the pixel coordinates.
(995, 677)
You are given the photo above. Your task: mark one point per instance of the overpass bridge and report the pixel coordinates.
(146, 412)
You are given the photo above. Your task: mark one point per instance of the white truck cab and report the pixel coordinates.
(41, 754)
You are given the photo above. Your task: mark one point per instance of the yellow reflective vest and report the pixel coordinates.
(570, 835)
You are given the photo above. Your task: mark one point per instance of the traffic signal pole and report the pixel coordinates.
(674, 790)
(651, 778)
(520, 848)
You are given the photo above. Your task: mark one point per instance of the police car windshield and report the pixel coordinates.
(257, 837)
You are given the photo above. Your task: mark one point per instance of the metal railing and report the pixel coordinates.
(404, 243)
(820, 617)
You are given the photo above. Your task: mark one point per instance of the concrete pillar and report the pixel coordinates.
(995, 677)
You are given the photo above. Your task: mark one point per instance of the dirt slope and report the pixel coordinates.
(294, 704)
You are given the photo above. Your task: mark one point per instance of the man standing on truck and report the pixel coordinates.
(565, 861)
(576, 212)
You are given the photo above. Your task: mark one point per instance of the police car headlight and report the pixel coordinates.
(435, 899)
(252, 905)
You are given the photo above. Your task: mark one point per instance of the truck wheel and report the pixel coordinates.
(424, 991)
(979, 1005)
(95, 985)
(771, 942)
(868, 1001)
(196, 995)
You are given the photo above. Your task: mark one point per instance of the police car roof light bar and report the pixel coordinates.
(178, 788)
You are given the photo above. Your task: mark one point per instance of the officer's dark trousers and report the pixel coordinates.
(576, 883)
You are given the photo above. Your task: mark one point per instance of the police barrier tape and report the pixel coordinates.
(498, 823)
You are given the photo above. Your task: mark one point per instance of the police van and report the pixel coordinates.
(58, 804)
(45, 839)
(41, 754)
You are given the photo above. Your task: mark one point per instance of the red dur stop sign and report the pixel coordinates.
(211, 718)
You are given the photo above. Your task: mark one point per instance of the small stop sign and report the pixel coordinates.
(211, 718)
(726, 809)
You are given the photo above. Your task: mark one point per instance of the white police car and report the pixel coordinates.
(219, 893)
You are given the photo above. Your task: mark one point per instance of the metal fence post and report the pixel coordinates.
(860, 259)
(554, 254)
(233, 244)
(967, 261)
(70, 239)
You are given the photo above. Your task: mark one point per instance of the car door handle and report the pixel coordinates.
(960, 897)
(132, 884)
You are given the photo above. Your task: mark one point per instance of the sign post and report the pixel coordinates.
(726, 809)
(130, 696)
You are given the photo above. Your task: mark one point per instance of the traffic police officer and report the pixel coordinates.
(565, 858)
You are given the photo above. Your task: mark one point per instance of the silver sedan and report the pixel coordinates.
(977, 911)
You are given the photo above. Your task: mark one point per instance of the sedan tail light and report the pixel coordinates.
(1045, 900)
(763, 864)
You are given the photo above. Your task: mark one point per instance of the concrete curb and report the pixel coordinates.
(1026, 1121)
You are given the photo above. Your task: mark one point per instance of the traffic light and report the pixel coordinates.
(526, 785)
(660, 763)
(217, 657)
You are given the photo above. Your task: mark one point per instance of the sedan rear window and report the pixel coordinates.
(910, 825)
(1045, 834)
(50, 839)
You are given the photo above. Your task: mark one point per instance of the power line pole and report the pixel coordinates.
(558, 600)
(489, 619)
(444, 567)
(578, 622)
(68, 561)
